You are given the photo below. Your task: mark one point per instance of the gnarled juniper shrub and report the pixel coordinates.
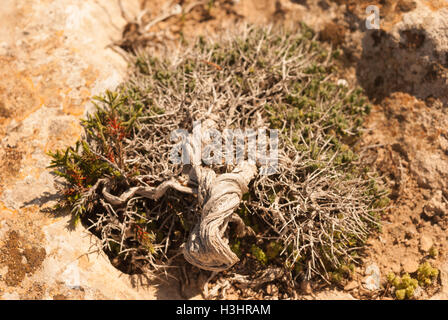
(312, 217)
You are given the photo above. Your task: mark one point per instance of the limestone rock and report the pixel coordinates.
(435, 205)
(54, 57)
(409, 264)
(408, 53)
(426, 243)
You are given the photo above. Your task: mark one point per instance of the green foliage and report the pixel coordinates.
(236, 247)
(307, 106)
(259, 254)
(100, 154)
(405, 286)
(342, 274)
(433, 252)
(273, 250)
(426, 274)
(400, 294)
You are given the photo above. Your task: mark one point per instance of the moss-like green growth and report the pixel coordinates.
(273, 250)
(404, 286)
(259, 254)
(236, 248)
(426, 274)
(342, 274)
(433, 252)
